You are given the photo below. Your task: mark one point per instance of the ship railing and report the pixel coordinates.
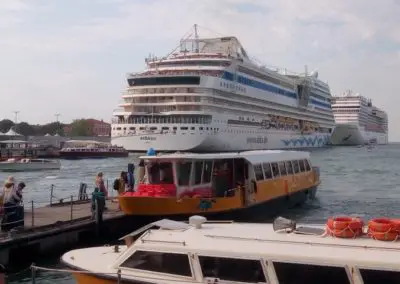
(23, 217)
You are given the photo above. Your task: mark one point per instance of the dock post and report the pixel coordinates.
(119, 276)
(51, 194)
(72, 199)
(99, 206)
(33, 214)
(33, 273)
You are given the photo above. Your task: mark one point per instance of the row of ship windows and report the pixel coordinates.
(275, 170)
(239, 270)
(153, 128)
(184, 128)
(164, 119)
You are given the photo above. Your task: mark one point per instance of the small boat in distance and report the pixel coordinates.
(91, 150)
(245, 185)
(27, 164)
(200, 251)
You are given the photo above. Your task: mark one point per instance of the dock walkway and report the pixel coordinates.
(60, 226)
(50, 215)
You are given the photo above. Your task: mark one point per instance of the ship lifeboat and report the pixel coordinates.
(344, 227)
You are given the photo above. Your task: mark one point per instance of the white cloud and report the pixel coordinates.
(337, 37)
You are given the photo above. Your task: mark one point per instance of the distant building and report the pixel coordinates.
(99, 127)
(96, 128)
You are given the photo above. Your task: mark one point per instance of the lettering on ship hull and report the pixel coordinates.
(257, 140)
(148, 138)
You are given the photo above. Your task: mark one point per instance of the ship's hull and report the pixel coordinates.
(91, 155)
(229, 140)
(25, 167)
(352, 135)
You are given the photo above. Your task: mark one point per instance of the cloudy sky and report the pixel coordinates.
(71, 57)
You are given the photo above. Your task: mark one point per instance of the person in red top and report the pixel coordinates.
(100, 184)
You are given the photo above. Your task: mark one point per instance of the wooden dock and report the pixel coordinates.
(50, 215)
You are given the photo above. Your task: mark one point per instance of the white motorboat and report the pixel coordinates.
(229, 252)
(15, 165)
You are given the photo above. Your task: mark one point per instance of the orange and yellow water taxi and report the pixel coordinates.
(242, 183)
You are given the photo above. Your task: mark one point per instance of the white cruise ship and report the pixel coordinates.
(358, 122)
(208, 95)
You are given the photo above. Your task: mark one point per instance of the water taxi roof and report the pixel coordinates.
(254, 157)
(256, 239)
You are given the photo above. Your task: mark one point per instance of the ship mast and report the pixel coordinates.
(196, 39)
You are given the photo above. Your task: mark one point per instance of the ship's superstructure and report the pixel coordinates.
(209, 96)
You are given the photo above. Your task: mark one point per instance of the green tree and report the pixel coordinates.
(25, 129)
(80, 127)
(5, 125)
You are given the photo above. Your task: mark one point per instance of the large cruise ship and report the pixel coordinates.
(358, 122)
(208, 95)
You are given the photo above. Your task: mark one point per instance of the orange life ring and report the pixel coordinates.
(380, 224)
(384, 229)
(345, 227)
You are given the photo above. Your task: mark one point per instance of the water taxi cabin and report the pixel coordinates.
(187, 183)
(228, 252)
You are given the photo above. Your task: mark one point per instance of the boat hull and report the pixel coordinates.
(91, 155)
(82, 278)
(231, 209)
(352, 135)
(24, 167)
(222, 142)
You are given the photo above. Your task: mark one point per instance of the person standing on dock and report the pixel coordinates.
(100, 184)
(131, 177)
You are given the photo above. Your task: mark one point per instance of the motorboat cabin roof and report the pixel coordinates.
(254, 157)
(202, 250)
(260, 240)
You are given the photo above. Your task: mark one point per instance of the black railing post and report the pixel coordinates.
(33, 273)
(72, 199)
(51, 194)
(33, 214)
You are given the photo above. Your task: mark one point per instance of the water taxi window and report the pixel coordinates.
(258, 171)
(198, 170)
(289, 167)
(170, 263)
(290, 273)
(183, 171)
(275, 170)
(154, 173)
(370, 276)
(267, 171)
(307, 164)
(282, 168)
(166, 173)
(232, 269)
(207, 171)
(302, 167)
(296, 168)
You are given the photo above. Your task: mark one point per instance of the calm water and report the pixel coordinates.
(354, 181)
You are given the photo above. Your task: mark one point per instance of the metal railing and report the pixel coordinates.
(16, 214)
